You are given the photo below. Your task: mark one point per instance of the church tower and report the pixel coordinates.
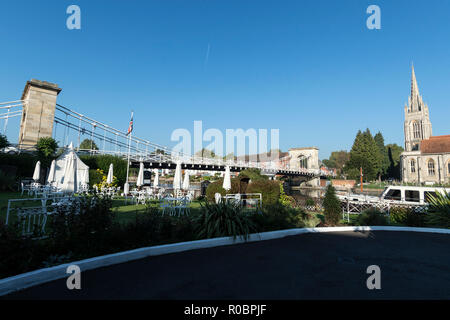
(417, 119)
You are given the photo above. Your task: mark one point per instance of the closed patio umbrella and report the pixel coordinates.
(109, 179)
(177, 177)
(186, 180)
(51, 173)
(140, 177)
(37, 171)
(227, 179)
(156, 181)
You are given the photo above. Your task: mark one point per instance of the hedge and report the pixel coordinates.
(102, 162)
(24, 162)
(269, 189)
(216, 187)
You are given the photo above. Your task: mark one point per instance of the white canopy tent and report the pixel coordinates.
(63, 161)
(71, 181)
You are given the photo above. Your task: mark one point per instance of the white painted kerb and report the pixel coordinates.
(29, 279)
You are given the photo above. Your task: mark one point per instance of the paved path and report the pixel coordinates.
(309, 266)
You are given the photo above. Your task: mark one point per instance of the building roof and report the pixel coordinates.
(262, 157)
(436, 144)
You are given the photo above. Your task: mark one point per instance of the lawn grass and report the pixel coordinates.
(125, 210)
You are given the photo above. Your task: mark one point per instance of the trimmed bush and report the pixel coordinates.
(372, 217)
(269, 189)
(216, 187)
(24, 162)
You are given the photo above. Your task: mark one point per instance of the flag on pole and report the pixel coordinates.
(130, 127)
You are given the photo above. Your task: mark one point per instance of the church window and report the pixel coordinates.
(413, 166)
(431, 170)
(416, 130)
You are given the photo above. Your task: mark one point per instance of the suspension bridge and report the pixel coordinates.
(68, 125)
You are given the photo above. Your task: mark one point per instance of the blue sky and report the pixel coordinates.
(308, 68)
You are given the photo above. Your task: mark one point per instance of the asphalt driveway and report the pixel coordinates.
(309, 266)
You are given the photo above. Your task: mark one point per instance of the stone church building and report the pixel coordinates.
(426, 159)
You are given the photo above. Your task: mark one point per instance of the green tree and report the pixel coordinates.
(394, 151)
(332, 206)
(337, 160)
(46, 148)
(253, 173)
(88, 144)
(383, 154)
(364, 154)
(3, 141)
(205, 153)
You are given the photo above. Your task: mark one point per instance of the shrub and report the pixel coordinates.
(372, 217)
(309, 202)
(3, 141)
(332, 206)
(285, 199)
(269, 189)
(24, 163)
(253, 174)
(407, 216)
(279, 217)
(398, 214)
(216, 187)
(223, 219)
(439, 211)
(213, 188)
(95, 177)
(102, 162)
(79, 224)
(311, 221)
(7, 181)
(18, 253)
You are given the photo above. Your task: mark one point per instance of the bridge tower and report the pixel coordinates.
(305, 158)
(38, 112)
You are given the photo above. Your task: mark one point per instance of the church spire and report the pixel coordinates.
(414, 86)
(415, 100)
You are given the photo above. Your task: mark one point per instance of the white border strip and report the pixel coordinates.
(29, 279)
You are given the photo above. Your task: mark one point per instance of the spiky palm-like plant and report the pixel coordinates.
(224, 219)
(439, 210)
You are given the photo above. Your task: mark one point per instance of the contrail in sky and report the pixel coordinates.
(207, 54)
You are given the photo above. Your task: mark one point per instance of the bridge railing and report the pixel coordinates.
(138, 149)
